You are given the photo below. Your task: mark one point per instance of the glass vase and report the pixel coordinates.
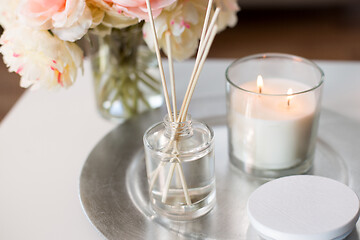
(180, 167)
(125, 73)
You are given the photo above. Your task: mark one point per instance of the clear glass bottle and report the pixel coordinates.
(180, 167)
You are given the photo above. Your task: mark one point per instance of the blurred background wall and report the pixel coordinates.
(315, 29)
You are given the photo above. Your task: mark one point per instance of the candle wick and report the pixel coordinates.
(260, 90)
(289, 92)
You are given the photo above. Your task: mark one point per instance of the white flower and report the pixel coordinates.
(227, 16)
(184, 20)
(68, 19)
(8, 12)
(111, 17)
(42, 60)
(138, 8)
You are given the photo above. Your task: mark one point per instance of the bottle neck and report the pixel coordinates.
(178, 130)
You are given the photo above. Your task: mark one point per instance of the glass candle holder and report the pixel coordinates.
(273, 106)
(180, 167)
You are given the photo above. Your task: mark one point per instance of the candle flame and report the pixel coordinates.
(260, 83)
(290, 96)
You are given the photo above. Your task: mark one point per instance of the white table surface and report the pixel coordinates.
(47, 136)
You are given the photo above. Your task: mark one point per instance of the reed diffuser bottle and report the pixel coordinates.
(180, 168)
(179, 152)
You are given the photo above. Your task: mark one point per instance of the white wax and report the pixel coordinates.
(268, 133)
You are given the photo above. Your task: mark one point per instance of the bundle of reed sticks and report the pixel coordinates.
(207, 37)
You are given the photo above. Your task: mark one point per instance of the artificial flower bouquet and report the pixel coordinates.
(40, 37)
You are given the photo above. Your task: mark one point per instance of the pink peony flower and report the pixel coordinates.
(69, 19)
(138, 8)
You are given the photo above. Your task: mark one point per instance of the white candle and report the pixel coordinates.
(272, 132)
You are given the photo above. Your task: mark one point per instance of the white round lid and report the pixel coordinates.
(303, 207)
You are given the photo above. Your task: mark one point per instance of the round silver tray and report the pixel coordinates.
(113, 185)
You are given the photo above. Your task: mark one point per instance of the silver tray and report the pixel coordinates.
(113, 185)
